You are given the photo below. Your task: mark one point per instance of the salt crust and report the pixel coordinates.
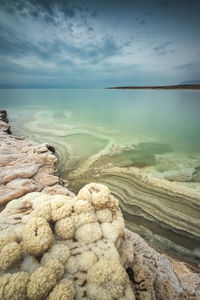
(67, 248)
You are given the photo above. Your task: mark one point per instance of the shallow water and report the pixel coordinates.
(95, 130)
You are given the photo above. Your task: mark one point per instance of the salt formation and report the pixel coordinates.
(65, 249)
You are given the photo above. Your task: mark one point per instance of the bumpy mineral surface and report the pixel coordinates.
(63, 248)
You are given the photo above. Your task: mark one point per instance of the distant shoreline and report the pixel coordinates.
(161, 87)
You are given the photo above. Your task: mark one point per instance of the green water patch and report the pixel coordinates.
(142, 155)
(81, 147)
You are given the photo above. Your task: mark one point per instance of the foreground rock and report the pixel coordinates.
(91, 249)
(63, 248)
(155, 275)
(25, 166)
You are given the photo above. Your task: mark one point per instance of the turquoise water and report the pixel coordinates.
(171, 117)
(155, 131)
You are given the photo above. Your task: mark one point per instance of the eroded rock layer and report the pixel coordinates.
(164, 212)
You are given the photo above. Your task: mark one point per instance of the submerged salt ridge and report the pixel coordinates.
(116, 138)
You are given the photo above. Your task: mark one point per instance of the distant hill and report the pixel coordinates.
(191, 82)
(160, 87)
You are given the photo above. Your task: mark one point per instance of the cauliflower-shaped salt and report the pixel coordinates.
(43, 211)
(57, 251)
(10, 254)
(63, 290)
(37, 236)
(88, 233)
(83, 206)
(16, 286)
(84, 218)
(56, 267)
(71, 265)
(44, 279)
(86, 260)
(61, 207)
(99, 195)
(106, 280)
(6, 237)
(104, 215)
(65, 228)
(3, 282)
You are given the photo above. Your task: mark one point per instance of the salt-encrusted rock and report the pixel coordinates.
(61, 207)
(104, 215)
(58, 251)
(99, 195)
(10, 254)
(41, 282)
(65, 228)
(81, 206)
(107, 280)
(7, 237)
(63, 242)
(63, 290)
(88, 233)
(37, 236)
(86, 260)
(26, 167)
(16, 287)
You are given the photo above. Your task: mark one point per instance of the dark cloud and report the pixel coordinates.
(55, 39)
(46, 8)
(189, 66)
(163, 48)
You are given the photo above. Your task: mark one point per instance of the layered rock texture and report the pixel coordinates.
(25, 166)
(166, 213)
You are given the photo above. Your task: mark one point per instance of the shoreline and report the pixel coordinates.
(164, 87)
(26, 166)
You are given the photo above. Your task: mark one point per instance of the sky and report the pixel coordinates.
(97, 44)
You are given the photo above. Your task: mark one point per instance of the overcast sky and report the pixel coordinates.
(95, 44)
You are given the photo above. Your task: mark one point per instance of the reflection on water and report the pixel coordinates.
(107, 135)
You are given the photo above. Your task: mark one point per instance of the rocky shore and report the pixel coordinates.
(25, 166)
(97, 244)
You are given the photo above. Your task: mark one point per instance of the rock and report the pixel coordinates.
(25, 166)
(54, 249)
(157, 276)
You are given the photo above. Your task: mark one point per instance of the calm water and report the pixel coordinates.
(170, 117)
(159, 130)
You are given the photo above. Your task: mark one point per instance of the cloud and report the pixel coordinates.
(163, 48)
(189, 66)
(63, 40)
(47, 9)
